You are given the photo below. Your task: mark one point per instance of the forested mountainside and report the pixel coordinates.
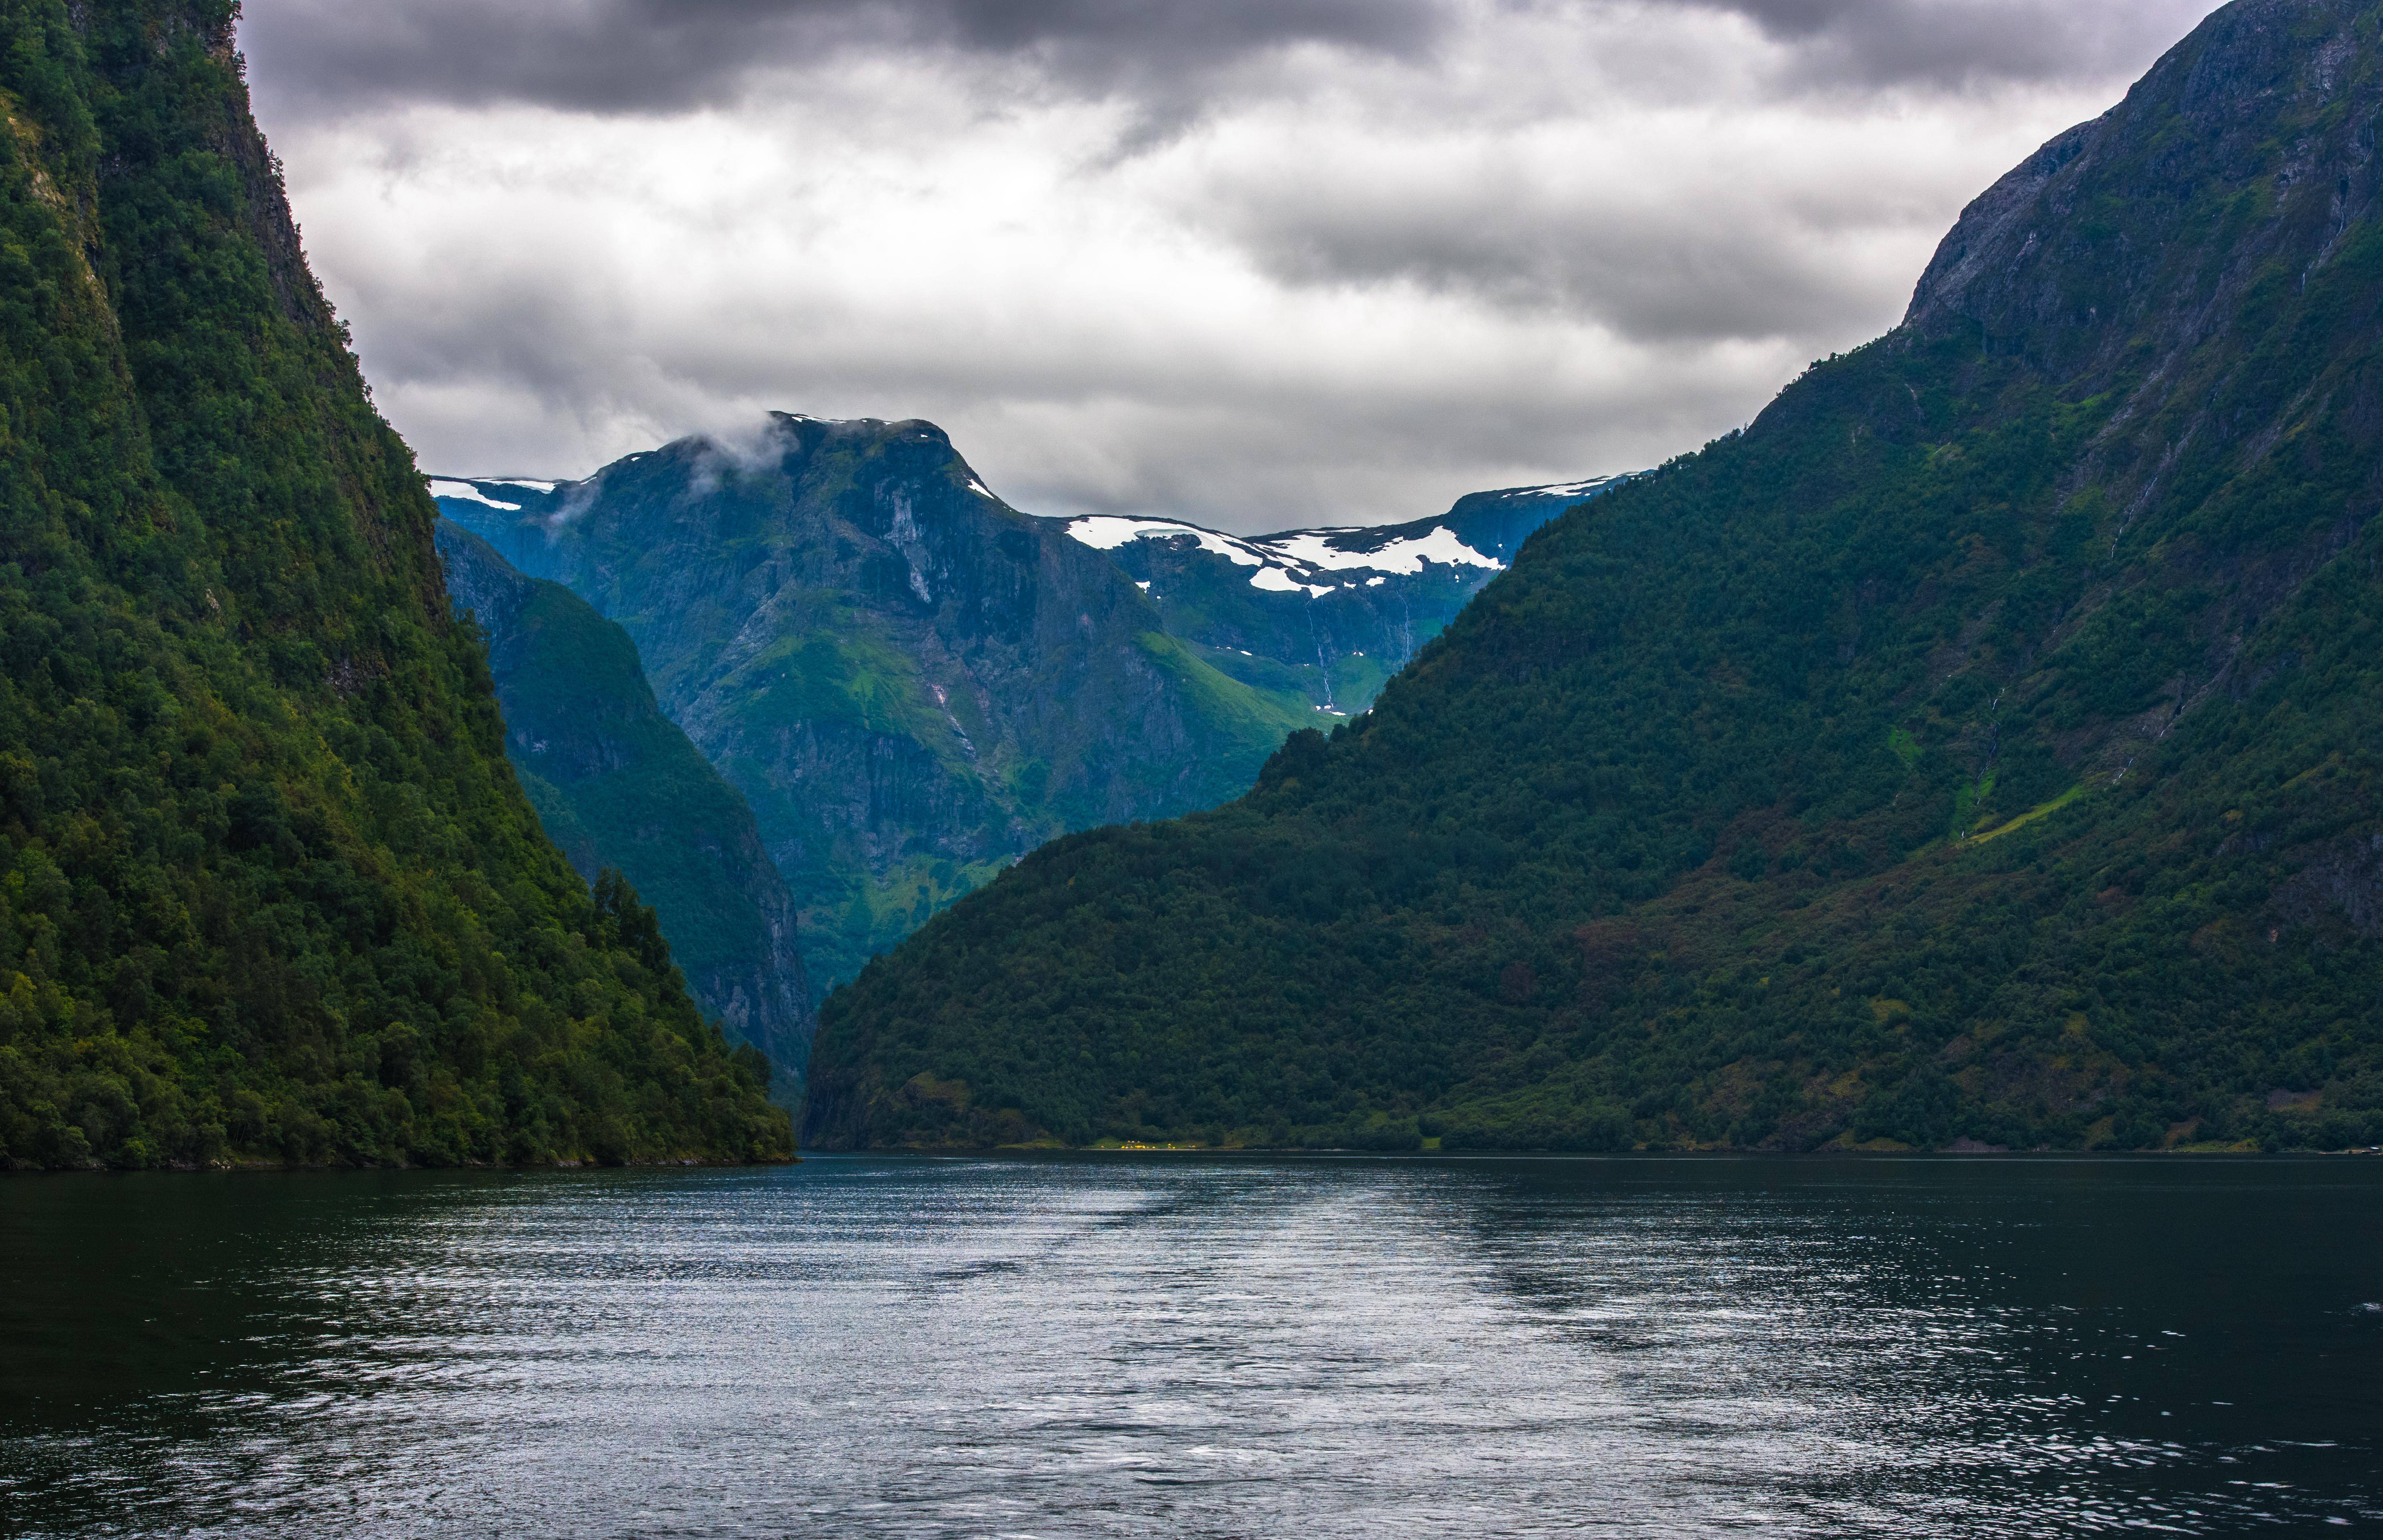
(911, 683)
(618, 785)
(1981, 746)
(269, 891)
(1325, 615)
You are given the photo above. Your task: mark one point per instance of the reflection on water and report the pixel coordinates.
(1199, 1347)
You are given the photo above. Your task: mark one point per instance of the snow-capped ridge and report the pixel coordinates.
(466, 492)
(1563, 488)
(1108, 531)
(1404, 556)
(1295, 560)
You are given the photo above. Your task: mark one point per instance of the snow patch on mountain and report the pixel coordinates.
(1566, 489)
(1404, 556)
(1291, 562)
(463, 492)
(1108, 531)
(1279, 580)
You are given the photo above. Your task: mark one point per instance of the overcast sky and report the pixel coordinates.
(1256, 263)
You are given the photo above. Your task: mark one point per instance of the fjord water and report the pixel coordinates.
(1200, 1346)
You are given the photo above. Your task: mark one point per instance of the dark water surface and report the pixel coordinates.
(1268, 1347)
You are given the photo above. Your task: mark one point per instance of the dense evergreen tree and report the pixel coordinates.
(269, 891)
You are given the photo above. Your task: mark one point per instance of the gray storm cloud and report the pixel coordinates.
(1260, 264)
(1953, 41)
(646, 56)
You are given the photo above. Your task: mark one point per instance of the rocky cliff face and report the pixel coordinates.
(911, 683)
(2193, 265)
(2094, 256)
(1325, 616)
(617, 783)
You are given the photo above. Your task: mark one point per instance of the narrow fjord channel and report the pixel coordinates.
(1200, 1346)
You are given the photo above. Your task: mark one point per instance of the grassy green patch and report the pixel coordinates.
(2038, 810)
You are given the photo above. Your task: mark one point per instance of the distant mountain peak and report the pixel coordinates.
(913, 680)
(1317, 562)
(1325, 558)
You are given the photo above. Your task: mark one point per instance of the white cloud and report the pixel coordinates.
(1316, 281)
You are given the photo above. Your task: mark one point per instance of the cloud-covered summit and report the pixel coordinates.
(1251, 264)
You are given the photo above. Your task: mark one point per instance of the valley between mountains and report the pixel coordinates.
(912, 683)
(1978, 751)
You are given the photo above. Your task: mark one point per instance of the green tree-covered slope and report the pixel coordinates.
(1981, 746)
(268, 889)
(617, 785)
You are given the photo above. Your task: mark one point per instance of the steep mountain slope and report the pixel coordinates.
(617, 785)
(911, 683)
(1981, 746)
(1326, 615)
(268, 888)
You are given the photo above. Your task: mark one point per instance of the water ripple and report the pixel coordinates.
(1089, 1348)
